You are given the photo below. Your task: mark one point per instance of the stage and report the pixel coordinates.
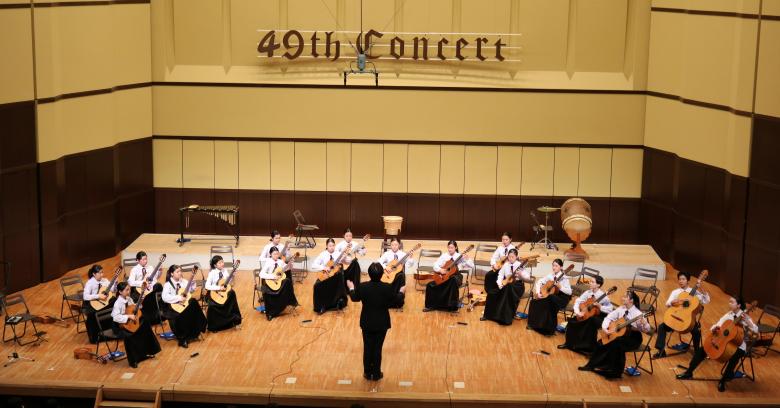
(612, 260)
(430, 359)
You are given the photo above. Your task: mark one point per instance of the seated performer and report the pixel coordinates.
(581, 334)
(142, 343)
(190, 323)
(704, 298)
(543, 312)
(276, 240)
(737, 308)
(394, 253)
(276, 301)
(610, 360)
(502, 301)
(502, 251)
(92, 292)
(352, 272)
(138, 279)
(227, 315)
(331, 293)
(445, 296)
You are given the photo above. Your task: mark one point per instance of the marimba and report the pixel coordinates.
(225, 213)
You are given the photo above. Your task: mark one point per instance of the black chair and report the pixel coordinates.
(482, 263)
(257, 295)
(106, 335)
(15, 317)
(73, 297)
(767, 331)
(642, 351)
(163, 319)
(304, 231)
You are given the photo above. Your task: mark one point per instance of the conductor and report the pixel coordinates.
(377, 297)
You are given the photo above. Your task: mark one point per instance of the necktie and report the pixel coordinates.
(506, 250)
(331, 257)
(143, 271)
(396, 256)
(511, 269)
(178, 286)
(220, 274)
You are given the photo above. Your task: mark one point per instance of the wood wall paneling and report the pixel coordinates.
(479, 217)
(508, 215)
(200, 223)
(423, 219)
(338, 214)
(225, 197)
(282, 205)
(313, 206)
(17, 135)
(167, 202)
(366, 214)
(451, 216)
(254, 206)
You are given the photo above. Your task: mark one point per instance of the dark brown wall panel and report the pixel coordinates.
(422, 221)
(736, 205)
(225, 197)
(99, 176)
(531, 203)
(135, 213)
(760, 276)
(395, 204)
(732, 278)
(282, 207)
(21, 249)
(19, 200)
(624, 220)
(659, 176)
(133, 166)
(508, 218)
(764, 148)
(656, 228)
(55, 250)
(167, 202)
(254, 207)
(762, 213)
(366, 214)
(338, 214)
(479, 217)
(200, 223)
(313, 206)
(450, 216)
(76, 239)
(101, 232)
(691, 187)
(75, 182)
(17, 135)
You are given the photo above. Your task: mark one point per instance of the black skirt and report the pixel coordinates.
(543, 313)
(224, 316)
(398, 282)
(277, 301)
(330, 294)
(139, 345)
(444, 296)
(581, 335)
(91, 320)
(610, 360)
(151, 312)
(501, 304)
(187, 325)
(352, 273)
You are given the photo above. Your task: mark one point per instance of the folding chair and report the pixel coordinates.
(580, 286)
(482, 263)
(644, 278)
(73, 296)
(464, 285)
(648, 299)
(163, 319)
(14, 318)
(128, 264)
(683, 341)
(303, 230)
(750, 351)
(528, 294)
(425, 261)
(642, 351)
(257, 295)
(106, 334)
(767, 331)
(224, 251)
(300, 269)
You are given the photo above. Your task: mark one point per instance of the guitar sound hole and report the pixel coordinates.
(686, 303)
(726, 333)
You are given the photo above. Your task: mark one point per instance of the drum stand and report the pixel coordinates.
(545, 242)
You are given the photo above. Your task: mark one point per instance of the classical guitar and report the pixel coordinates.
(276, 283)
(185, 293)
(592, 306)
(334, 265)
(135, 310)
(550, 288)
(98, 304)
(220, 296)
(511, 278)
(722, 343)
(683, 313)
(151, 278)
(450, 268)
(619, 328)
(396, 266)
(49, 319)
(358, 247)
(501, 260)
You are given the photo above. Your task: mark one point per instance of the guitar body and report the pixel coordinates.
(392, 270)
(723, 344)
(451, 269)
(333, 269)
(179, 307)
(500, 263)
(608, 338)
(589, 308)
(276, 284)
(133, 325)
(682, 318)
(221, 296)
(98, 304)
(548, 289)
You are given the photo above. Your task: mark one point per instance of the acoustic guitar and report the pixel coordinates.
(185, 293)
(334, 265)
(683, 313)
(592, 306)
(450, 268)
(501, 260)
(396, 266)
(135, 310)
(619, 328)
(360, 246)
(220, 296)
(511, 278)
(724, 341)
(148, 284)
(276, 283)
(550, 287)
(98, 304)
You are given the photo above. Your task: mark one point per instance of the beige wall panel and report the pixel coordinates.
(16, 72)
(600, 35)
(768, 87)
(545, 21)
(771, 7)
(367, 164)
(254, 165)
(595, 172)
(310, 166)
(339, 166)
(538, 171)
(75, 125)
(424, 168)
(309, 15)
(709, 136)
(226, 164)
(480, 172)
(246, 17)
(252, 112)
(282, 166)
(167, 156)
(509, 170)
(627, 173)
(451, 177)
(197, 26)
(567, 169)
(485, 16)
(394, 171)
(198, 163)
(739, 6)
(130, 53)
(427, 16)
(666, 53)
(378, 14)
(132, 114)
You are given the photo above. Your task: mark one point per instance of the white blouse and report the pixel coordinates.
(321, 262)
(92, 288)
(563, 284)
(629, 314)
(212, 281)
(266, 254)
(499, 253)
(510, 269)
(268, 269)
(170, 292)
(136, 278)
(118, 312)
(606, 304)
(463, 265)
(747, 323)
(390, 256)
(704, 298)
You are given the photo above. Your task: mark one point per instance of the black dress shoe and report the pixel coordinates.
(425, 310)
(184, 344)
(659, 354)
(563, 346)
(368, 377)
(269, 317)
(482, 319)
(134, 365)
(684, 376)
(379, 376)
(721, 385)
(585, 368)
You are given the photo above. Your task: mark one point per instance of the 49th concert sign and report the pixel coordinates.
(293, 44)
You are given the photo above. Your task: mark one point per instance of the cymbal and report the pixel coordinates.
(546, 209)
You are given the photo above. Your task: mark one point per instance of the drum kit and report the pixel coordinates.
(576, 220)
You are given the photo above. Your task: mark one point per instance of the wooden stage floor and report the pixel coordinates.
(429, 360)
